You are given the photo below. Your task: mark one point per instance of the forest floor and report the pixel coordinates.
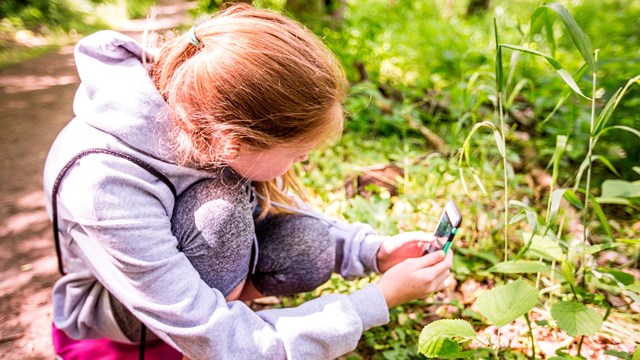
(37, 97)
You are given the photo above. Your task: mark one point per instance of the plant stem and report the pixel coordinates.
(506, 179)
(590, 151)
(580, 344)
(533, 341)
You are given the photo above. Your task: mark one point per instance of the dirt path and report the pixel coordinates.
(36, 103)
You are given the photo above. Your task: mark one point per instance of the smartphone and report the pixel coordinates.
(447, 228)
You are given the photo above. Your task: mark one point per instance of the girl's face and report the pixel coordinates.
(263, 165)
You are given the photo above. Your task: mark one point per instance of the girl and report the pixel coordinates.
(170, 194)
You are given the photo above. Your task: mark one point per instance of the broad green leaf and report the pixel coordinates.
(636, 353)
(520, 267)
(546, 247)
(436, 338)
(636, 169)
(506, 303)
(623, 277)
(579, 38)
(576, 319)
(620, 188)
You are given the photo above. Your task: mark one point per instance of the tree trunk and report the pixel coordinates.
(477, 7)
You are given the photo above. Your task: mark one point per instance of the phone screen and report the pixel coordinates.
(446, 228)
(443, 231)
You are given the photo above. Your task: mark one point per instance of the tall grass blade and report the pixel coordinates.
(561, 144)
(479, 182)
(585, 163)
(605, 114)
(622, 127)
(578, 36)
(606, 163)
(564, 74)
(556, 198)
(499, 142)
(601, 216)
(566, 94)
(517, 89)
(532, 220)
(540, 19)
(499, 69)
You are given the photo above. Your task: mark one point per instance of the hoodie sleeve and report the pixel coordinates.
(120, 229)
(357, 247)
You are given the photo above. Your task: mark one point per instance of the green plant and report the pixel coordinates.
(503, 304)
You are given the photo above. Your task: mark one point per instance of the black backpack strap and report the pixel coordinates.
(65, 169)
(54, 206)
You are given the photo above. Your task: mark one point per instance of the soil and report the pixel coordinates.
(37, 98)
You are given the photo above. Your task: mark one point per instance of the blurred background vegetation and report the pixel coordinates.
(31, 27)
(422, 74)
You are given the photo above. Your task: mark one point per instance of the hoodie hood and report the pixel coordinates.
(118, 96)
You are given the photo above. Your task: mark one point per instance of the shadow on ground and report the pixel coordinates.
(37, 98)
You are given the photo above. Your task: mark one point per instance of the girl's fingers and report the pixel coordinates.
(429, 259)
(435, 269)
(435, 258)
(414, 236)
(440, 282)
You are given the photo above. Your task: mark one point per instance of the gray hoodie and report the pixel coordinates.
(115, 233)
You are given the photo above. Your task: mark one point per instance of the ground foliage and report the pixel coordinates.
(430, 118)
(427, 101)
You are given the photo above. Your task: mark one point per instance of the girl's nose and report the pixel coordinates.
(302, 157)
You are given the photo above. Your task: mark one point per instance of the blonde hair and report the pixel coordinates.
(255, 78)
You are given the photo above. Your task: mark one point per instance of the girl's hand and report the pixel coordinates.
(416, 278)
(401, 247)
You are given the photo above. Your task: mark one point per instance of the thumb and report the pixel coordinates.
(429, 259)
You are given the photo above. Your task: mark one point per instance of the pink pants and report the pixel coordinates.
(104, 349)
